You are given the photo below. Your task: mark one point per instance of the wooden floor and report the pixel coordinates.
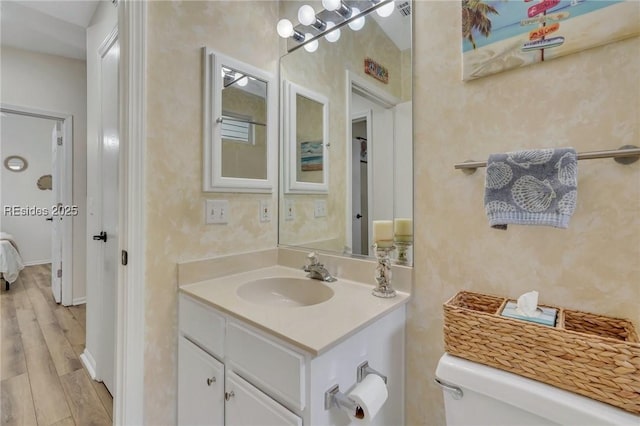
(43, 381)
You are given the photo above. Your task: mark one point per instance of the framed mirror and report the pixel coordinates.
(240, 126)
(305, 140)
(15, 163)
(365, 75)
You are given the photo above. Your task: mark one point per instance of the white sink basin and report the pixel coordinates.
(285, 291)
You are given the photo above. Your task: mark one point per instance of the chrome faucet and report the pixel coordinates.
(316, 270)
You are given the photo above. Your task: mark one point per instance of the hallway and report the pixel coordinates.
(43, 381)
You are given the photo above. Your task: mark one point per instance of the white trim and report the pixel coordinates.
(89, 363)
(79, 301)
(212, 179)
(130, 336)
(67, 188)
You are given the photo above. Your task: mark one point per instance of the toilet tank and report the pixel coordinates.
(495, 397)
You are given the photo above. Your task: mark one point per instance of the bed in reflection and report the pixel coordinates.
(10, 261)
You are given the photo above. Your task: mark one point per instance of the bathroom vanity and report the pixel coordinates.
(247, 357)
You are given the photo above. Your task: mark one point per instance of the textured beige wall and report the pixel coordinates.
(589, 100)
(174, 200)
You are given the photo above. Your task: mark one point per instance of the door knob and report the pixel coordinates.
(102, 236)
(211, 380)
(358, 216)
(229, 395)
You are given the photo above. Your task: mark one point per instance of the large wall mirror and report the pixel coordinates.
(239, 126)
(365, 81)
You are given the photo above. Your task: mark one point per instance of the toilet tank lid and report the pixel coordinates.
(544, 400)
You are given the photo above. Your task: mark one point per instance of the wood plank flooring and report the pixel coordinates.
(42, 380)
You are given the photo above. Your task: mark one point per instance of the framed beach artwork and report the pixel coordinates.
(505, 34)
(311, 156)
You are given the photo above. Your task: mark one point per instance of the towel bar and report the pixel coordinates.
(626, 154)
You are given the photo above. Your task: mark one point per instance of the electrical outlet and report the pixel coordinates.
(216, 211)
(320, 208)
(289, 210)
(265, 211)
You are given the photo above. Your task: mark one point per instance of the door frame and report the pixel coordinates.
(357, 84)
(66, 188)
(130, 311)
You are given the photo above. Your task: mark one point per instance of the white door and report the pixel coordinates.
(56, 216)
(200, 386)
(108, 236)
(248, 406)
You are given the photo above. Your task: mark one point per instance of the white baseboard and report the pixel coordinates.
(89, 363)
(79, 301)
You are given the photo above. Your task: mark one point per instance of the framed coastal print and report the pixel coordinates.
(504, 34)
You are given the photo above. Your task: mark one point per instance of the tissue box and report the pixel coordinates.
(589, 354)
(547, 315)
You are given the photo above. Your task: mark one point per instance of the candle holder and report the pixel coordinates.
(383, 272)
(403, 246)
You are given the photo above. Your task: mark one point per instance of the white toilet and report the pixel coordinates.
(475, 394)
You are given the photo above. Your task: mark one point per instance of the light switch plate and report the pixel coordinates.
(265, 211)
(216, 211)
(289, 210)
(320, 208)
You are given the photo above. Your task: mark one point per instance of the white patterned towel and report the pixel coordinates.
(534, 187)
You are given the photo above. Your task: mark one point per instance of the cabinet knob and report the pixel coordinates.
(229, 395)
(211, 380)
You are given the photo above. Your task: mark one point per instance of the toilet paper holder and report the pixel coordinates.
(333, 396)
(364, 370)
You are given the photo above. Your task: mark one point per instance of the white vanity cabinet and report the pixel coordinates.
(230, 373)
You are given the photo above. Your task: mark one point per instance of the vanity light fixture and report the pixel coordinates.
(338, 6)
(307, 16)
(358, 23)
(285, 30)
(334, 35)
(387, 9)
(310, 47)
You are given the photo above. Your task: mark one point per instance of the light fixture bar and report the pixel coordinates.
(338, 25)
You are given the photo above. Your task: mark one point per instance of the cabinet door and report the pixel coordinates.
(200, 386)
(248, 406)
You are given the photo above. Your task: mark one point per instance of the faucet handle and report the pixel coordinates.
(312, 258)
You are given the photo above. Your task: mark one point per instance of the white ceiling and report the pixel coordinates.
(53, 27)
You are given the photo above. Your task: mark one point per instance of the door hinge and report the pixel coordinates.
(124, 257)
(59, 140)
(59, 274)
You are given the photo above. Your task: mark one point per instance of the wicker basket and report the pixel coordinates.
(592, 355)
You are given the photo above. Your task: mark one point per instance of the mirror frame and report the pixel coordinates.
(24, 166)
(292, 185)
(212, 179)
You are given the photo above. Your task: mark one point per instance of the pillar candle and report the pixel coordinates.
(403, 226)
(383, 233)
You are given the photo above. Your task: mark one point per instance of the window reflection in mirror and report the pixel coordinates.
(309, 134)
(243, 127)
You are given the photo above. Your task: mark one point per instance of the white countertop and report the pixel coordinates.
(315, 328)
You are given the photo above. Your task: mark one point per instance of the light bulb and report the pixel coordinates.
(331, 5)
(358, 23)
(306, 15)
(310, 47)
(285, 28)
(386, 10)
(334, 35)
(222, 73)
(243, 81)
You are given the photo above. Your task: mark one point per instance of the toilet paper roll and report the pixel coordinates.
(369, 395)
